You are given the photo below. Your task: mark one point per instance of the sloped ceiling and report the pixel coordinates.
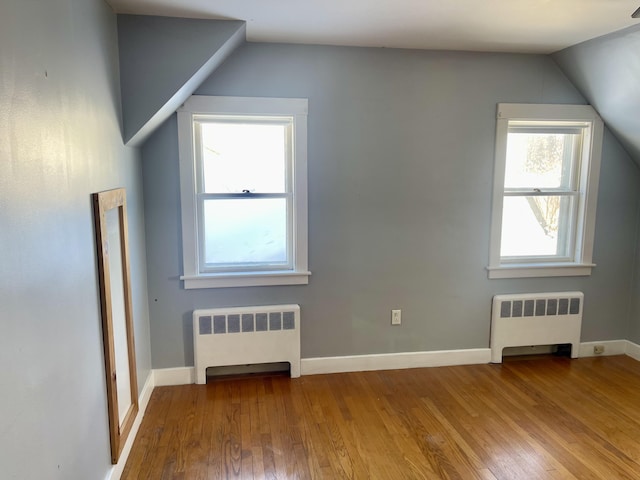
(162, 62)
(607, 72)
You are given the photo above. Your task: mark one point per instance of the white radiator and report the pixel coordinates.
(536, 319)
(246, 335)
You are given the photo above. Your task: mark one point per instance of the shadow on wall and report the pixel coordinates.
(187, 334)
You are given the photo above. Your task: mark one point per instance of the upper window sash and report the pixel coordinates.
(287, 124)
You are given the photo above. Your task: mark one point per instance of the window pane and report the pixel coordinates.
(541, 160)
(245, 231)
(537, 226)
(244, 156)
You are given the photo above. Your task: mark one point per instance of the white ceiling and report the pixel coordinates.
(530, 26)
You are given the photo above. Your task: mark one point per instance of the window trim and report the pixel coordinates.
(581, 262)
(198, 105)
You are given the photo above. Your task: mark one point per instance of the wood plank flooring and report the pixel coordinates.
(546, 418)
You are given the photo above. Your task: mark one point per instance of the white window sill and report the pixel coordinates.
(245, 279)
(541, 270)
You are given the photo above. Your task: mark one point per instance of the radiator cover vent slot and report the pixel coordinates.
(531, 319)
(246, 335)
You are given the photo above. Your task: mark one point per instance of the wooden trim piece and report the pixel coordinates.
(116, 471)
(119, 428)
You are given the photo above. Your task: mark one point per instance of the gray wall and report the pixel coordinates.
(634, 320)
(167, 58)
(59, 142)
(400, 177)
(606, 70)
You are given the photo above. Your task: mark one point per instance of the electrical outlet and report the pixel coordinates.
(396, 317)
(598, 349)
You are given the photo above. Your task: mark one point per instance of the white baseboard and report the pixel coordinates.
(397, 361)
(174, 376)
(633, 350)
(393, 361)
(116, 471)
(611, 347)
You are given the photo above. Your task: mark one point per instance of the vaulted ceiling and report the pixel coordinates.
(595, 42)
(606, 70)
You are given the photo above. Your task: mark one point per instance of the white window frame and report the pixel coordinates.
(579, 262)
(201, 105)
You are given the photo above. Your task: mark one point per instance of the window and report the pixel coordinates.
(243, 180)
(545, 190)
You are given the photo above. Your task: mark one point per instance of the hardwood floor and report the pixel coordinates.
(548, 418)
